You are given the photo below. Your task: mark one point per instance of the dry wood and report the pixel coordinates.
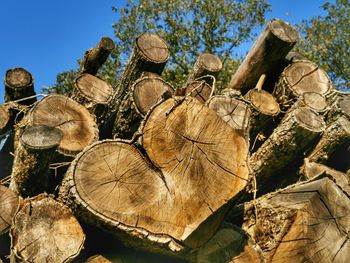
(273, 44)
(95, 57)
(74, 120)
(285, 146)
(314, 101)
(307, 222)
(30, 172)
(173, 202)
(300, 77)
(8, 206)
(19, 85)
(44, 230)
(141, 97)
(201, 89)
(98, 259)
(93, 93)
(4, 120)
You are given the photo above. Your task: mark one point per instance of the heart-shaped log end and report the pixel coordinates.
(171, 195)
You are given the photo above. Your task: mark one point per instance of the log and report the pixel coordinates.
(141, 97)
(306, 222)
(4, 120)
(161, 195)
(315, 101)
(97, 259)
(300, 77)
(37, 147)
(201, 89)
(73, 119)
(44, 230)
(8, 206)
(277, 156)
(95, 57)
(95, 94)
(273, 44)
(19, 85)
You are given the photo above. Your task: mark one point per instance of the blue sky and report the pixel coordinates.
(47, 37)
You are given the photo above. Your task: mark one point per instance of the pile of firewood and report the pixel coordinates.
(257, 173)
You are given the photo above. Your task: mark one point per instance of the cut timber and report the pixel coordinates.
(98, 259)
(206, 64)
(150, 54)
(93, 93)
(4, 119)
(19, 85)
(44, 230)
(273, 44)
(300, 77)
(307, 222)
(312, 100)
(143, 95)
(336, 134)
(229, 244)
(8, 206)
(202, 88)
(285, 146)
(340, 107)
(76, 123)
(234, 111)
(168, 200)
(95, 57)
(30, 172)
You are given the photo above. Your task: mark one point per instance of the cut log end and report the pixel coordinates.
(264, 102)
(44, 230)
(8, 206)
(344, 105)
(41, 137)
(210, 62)
(284, 31)
(153, 48)
(315, 101)
(107, 44)
(18, 78)
(309, 119)
(200, 90)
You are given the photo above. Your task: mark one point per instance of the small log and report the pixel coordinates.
(97, 259)
(201, 89)
(95, 57)
(44, 230)
(143, 95)
(30, 172)
(306, 222)
(150, 54)
(163, 196)
(267, 53)
(300, 77)
(93, 93)
(8, 206)
(285, 147)
(19, 85)
(315, 101)
(4, 120)
(206, 64)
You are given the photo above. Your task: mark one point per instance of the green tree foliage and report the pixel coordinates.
(327, 41)
(189, 28)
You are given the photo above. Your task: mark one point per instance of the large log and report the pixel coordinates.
(273, 44)
(8, 206)
(163, 196)
(36, 149)
(141, 97)
(95, 57)
(277, 156)
(44, 230)
(307, 222)
(19, 85)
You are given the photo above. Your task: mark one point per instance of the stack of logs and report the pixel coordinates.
(259, 173)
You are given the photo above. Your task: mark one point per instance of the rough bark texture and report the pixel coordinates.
(273, 44)
(307, 222)
(167, 199)
(37, 147)
(141, 97)
(44, 230)
(95, 57)
(8, 206)
(201, 89)
(95, 94)
(18, 85)
(297, 132)
(300, 77)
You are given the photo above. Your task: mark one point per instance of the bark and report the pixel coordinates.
(276, 157)
(37, 147)
(142, 96)
(95, 57)
(302, 223)
(267, 53)
(300, 77)
(19, 85)
(201, 89)
(339, 107)
(8, 206)
(44, 230)
(163, 196)
(95, 94)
